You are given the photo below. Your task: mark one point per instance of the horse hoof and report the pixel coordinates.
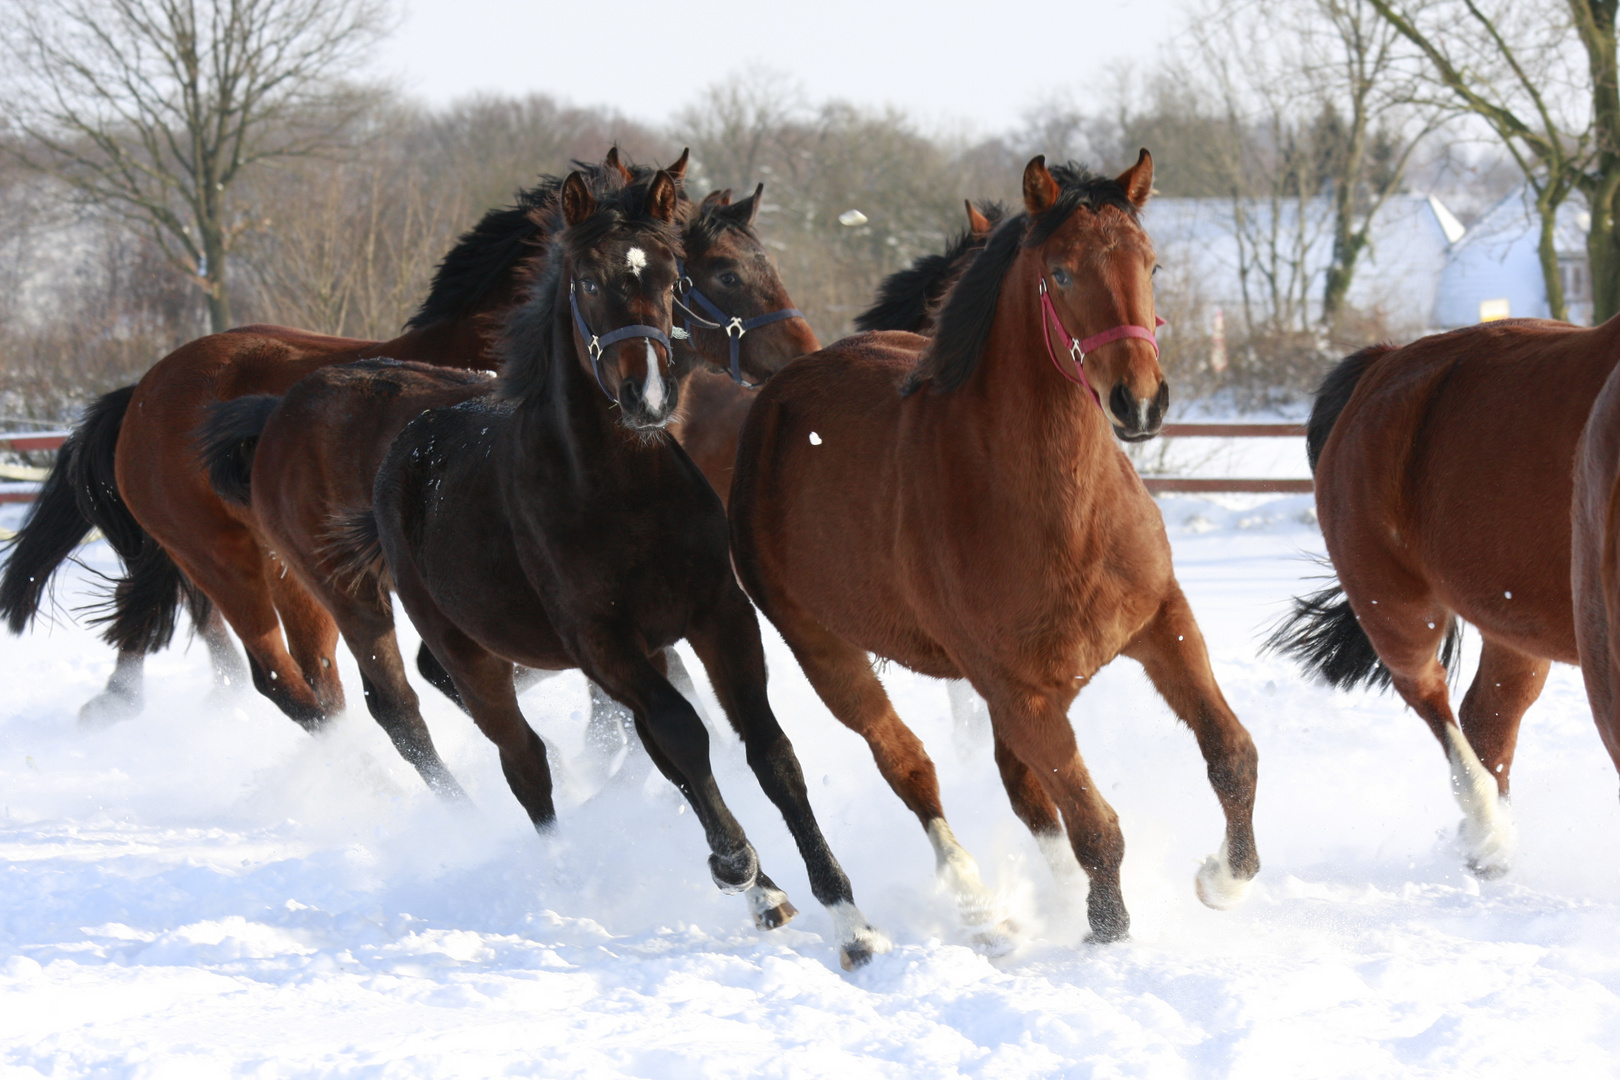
(858, 940)
(1217, 886)
(998, 940)
(1108, 935)
(776, 917)
(1488, 847)
(108, 708)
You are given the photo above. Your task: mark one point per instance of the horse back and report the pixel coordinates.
(1454, 456)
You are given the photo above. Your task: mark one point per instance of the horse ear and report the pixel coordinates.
(677, 171)
(577, 201)
(717, 198)
(1138, 180)
(978, 224)
(612, 162)
(662, 196)
(1040, 190)
(747, 210)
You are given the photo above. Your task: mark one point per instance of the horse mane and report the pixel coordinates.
(963, 326)
(904, 297)
(703, 229)
(493, 251)
(527, 330)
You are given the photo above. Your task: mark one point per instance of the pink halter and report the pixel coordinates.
(1078, 349)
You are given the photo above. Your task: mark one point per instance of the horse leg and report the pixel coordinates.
(1035, 728)
(970, 718)
(368, 629)
(1507, 683)
(1172, 651)
(726, 639)
(311, 637)
(236, 578)
(666, 720)
(1039, 814)
(609, 729)
(842, 676)
(1406, 633)
(124, 695)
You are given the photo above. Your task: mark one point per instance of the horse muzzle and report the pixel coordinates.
(1136, 418)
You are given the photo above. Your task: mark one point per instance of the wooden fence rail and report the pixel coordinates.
(51, 440)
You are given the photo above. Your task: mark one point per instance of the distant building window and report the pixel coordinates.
(1577, 279)
(1491, 310)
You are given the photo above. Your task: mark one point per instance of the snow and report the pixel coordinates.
(205, 890)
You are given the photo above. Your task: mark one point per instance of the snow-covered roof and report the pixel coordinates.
(1499, 261)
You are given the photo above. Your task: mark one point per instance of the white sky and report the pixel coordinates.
(946, 62)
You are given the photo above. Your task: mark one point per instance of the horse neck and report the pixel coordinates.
(1041, 424)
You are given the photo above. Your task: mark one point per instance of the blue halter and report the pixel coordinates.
(594, 345)
(733, 327)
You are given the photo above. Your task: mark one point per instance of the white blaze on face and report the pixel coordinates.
(636, 260)
(654, 392)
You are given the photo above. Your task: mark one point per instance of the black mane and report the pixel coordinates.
(904, 297)
(527, 331)
(970, 308)
(492, 252)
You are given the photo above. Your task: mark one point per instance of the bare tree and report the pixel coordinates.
(1513, 65)
(154, 109)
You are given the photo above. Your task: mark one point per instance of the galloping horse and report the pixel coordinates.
(1444, 487)
(959, 506)
(311, 456)
(559, 527)
(1595, 571)
(132, 471)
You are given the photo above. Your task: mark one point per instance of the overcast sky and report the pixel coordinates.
(945, 62)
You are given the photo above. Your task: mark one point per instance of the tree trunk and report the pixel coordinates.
(1595, 22)
(1547, 249)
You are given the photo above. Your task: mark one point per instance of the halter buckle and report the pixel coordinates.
(593, 348)
(736, 324)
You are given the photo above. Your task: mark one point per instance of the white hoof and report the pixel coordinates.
(769, 905)
(858, 940)
(1486, 835)
(109, 707)
(1217, 886)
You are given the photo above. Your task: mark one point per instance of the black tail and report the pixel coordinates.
(1334, 394)
(1324, 636)
(81, 493)
(226, 442)
(353, 553)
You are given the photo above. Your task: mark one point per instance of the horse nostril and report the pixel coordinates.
(1161, 404)
(629, 394)
(1120, 404)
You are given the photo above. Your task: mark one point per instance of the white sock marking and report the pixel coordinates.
(1216, 885)
(1487, 831)
(851, 928)
(960, 875)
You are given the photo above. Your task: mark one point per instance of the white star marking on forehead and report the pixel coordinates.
(635, 259)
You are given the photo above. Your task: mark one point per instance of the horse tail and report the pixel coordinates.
(1334, 394)
(227, 440)
(78, 495)
(353, 552)
(1324, 636)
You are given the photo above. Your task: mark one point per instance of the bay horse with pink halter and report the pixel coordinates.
(1444, 485)
(961, 506)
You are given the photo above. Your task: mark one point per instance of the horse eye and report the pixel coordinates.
(588, 286)
(1061, 276)
(730, 280)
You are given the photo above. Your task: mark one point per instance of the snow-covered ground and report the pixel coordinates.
(205, 890)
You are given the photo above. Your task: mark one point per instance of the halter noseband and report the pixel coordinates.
(734, 327)
(594, 346)
(1079, 349)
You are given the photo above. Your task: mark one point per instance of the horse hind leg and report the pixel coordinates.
(842, 676)
(124, 695)
(1172, 652)
(230, 670)
(1507, 683)
(1040, 815)
(311, 636)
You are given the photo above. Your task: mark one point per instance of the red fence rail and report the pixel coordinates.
(51, 440)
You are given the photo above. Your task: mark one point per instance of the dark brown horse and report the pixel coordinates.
(1443, 484)
(311, 456)
(560, 527)
(1595, 572)
(961, 506)
(135, 474)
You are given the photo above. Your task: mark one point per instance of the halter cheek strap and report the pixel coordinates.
(1078, 349)
(733, 326)
(595, 346)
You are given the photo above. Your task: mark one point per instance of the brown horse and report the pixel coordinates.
(1444, 489)
(962, 508)
(138, 477)
(309, 457)
(1595, 571)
